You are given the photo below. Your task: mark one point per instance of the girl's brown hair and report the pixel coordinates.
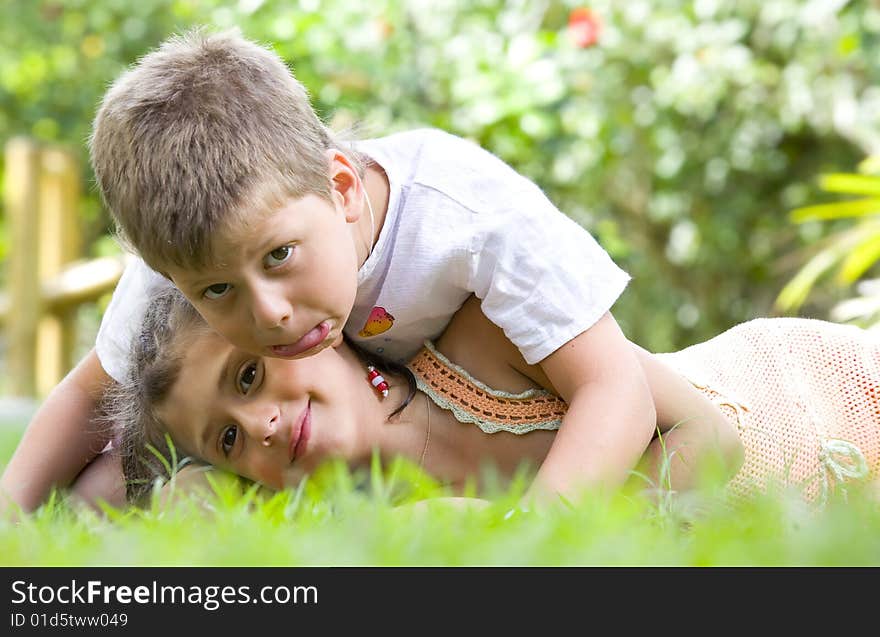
(155, 359)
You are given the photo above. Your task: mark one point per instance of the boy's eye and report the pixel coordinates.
(278, 256)
(216, 291)
(247, 377)
(228, 439)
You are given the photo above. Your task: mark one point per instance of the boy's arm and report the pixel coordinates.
(60, 439)
(610, 418)
(695, 434)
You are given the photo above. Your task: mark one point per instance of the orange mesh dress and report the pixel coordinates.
(804, 395)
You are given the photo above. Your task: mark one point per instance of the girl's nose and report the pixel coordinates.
(261, 424)
(270, 430)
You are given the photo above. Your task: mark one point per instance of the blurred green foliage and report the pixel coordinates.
(851, 251)
(680, 138)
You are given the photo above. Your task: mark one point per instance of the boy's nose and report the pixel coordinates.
(270, 310)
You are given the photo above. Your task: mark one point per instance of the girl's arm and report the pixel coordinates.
(695, 436)
(101, 481)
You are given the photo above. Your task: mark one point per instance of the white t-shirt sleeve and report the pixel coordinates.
(541, 276)
(124, 316)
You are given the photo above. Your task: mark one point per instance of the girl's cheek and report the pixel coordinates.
(270, 474)
(250, 468)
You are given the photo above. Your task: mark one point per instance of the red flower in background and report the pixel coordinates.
(584, 27)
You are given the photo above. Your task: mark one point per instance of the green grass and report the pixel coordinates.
(343, 519)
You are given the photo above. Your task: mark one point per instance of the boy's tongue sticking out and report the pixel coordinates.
(308, 341)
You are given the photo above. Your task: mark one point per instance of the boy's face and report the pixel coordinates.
(285, 282)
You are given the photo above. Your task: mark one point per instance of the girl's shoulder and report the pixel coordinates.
(474, 343)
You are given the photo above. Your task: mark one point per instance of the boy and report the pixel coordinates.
(221, 176)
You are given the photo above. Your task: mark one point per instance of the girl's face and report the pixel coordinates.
(270, 420)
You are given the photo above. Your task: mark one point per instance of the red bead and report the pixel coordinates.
(377, 380)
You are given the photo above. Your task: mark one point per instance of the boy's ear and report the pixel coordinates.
(346, 184)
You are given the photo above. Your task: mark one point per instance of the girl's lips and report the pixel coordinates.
(300, 434)
(310, 339)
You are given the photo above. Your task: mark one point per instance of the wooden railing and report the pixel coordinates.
(47, 280)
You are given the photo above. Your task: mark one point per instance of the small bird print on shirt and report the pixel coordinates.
(379, 321)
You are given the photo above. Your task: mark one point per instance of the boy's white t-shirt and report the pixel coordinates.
(459, 221)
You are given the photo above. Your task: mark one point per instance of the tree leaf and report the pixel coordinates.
(795, 292)
(836, 210)
(865, 254)
(850, 183)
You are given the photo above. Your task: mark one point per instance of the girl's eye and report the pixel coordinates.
(216, 291)
(278, 256)
(228, 440)
(247, 377)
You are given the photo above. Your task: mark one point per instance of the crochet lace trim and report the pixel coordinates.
(470, 401)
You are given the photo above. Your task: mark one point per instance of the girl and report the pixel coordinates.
(799, 397)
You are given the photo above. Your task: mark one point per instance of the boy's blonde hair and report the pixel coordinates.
(201, 132)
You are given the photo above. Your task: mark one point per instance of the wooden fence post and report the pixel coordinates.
(21, 201)
(47, 281)
(59, 244)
